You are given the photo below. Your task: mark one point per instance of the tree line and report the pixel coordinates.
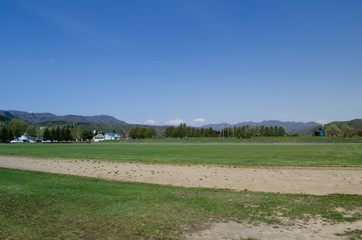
(57, 134)
(345, 131)
(16, 128)
(140, 133)
(239, 132)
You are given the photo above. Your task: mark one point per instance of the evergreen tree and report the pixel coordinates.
(276, 130)
(62, 134)
(10, 135)
(281, 131)
(57, 134)
(238, 133)
(198, 133)
(193, 132)
(4, 135)
(46, 135)
(266, 132)
(68, 135)
(202, 132)
(53, 135)
(262, 131)
(181, 130)
(211, 132)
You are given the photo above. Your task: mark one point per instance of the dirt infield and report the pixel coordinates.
(316, 181)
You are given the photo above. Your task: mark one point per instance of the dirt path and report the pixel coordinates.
(317, 181)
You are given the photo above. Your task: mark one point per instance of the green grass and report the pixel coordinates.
(36, 205)
(352, 234)
(298, 139)
(228, 154)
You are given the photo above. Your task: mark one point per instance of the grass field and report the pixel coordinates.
(37, 205)
(228, 154)
(297, 139)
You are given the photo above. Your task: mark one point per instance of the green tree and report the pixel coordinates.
(262, 131)
(346, 130)
(135, 132)
(10, 135)
(142, 133)
(57, 134)
(281, 131)
(46, 135)
(193, 132)
(333, 130)
(4, 134)
(211, 132)
(18, 127)
(181, 130)
(168, 131)
(53, 135)
(68, 135)
(151, 132)
(87, 135)
(31, 131)
(18, 132)
(202, 132)
(276, 130)
(227, 132)
(238, 133)
(62, 134)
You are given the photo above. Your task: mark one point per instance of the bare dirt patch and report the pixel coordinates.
(317, 181)
(313, 229)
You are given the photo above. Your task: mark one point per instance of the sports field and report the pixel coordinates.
(222, 154)
(35, 205)
(38, 205)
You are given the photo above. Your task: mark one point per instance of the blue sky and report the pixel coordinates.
(193, 61)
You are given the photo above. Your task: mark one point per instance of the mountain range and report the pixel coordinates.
(109, 120)
(288, 126)
(43, 117)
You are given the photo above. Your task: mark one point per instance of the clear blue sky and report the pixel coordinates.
(196, 61)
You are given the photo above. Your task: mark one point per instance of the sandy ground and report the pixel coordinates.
(299, 230)
(316, 181)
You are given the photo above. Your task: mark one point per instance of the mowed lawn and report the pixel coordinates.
(36, 205)
(228, 154)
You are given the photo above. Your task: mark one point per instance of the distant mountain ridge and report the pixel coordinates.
(42, 117)
(288, 126)
(109, 120)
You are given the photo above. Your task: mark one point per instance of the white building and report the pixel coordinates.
(112, 136)
(99, 137)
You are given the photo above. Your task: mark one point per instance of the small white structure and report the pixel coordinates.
(112, 136)
(23, 138)
(109, 136)
(99, 137)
